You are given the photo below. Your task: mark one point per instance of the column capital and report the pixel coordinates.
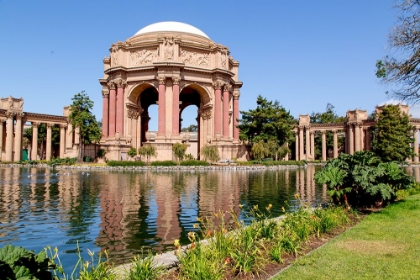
(10, 114)
(161, 79)
(176, 80)
(2, 120)
(105, 93)
(205, 114)
(50, 125)
(111, 85)
(63, 125)
(120, 83)
(227, 87)
(217, 84)
(19, 116)
(35, 124)
(236, 95)
(323, 132)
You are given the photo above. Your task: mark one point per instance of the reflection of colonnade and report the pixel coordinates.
(356, 131)
(12, 124)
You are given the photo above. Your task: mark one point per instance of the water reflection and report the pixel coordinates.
(125, 211)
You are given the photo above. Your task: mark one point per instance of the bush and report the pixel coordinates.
(132, 152)
(125, 163)
(194, 162)
(101, 153)
(163, 163)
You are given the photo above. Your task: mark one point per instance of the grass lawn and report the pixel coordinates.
(385, 245)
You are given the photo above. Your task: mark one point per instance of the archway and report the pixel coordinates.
(147, 98)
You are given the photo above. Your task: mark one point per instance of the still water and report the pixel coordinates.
(125, 211)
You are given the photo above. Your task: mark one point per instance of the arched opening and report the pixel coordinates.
(189, 125)
(149, 115)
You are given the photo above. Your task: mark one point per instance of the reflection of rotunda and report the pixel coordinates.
(172, 65)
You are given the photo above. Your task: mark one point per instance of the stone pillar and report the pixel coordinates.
(62, 139)
(312, 144)
(416, 145)
(175, 105)
(351, 139)
(235, 116)
(18, 137)
(69, 136)
(307, 142)
(105, 113)
(9, 136)
(335, 146)
(324, 146)
(112, 109)
(1, 136)
(34, 151)
(217, 107)
(162, 104)
(120, 107)
(226, 91)
(297, 144)
(367, 139)
(301, 150)
(48, 150)
(77, 135)
(357, 136)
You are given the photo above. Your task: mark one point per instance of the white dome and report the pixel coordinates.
(171, 26)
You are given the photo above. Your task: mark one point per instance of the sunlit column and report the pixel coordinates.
(48, 151)
(351, 139)
(9, 136)
(236, 95)
(69, 136)
(34, 151)
(112, 109)
(62, 139)
(162, 104)
(313, 145)
(105, 112)
(18, 137)
(301, 150)
(324, 146)
(357, 136)
(307, 142)
(120, 107)
(297, 144)
(335, 148)
(1, 136)
(226, 93)
(416, 145)
(175, 105)
(367, 139)
(217, 107)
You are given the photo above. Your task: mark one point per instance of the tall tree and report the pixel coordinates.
(404, 68)
(269, 121)
(393, 135)
(81, 117)
(329, 116)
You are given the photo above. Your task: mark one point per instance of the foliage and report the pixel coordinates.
(132, 152)
(189, 157)
(329, 116)
(362, 180)
(101, 153)
(62, 161)
(82, 118)
(163, 163)
(194, 162)
(259, 150)
(179, 150)
(148, 151)
(144, 268)
(125, 163)
(392, 135)
(210, 152)
(269, 121)
(19, 263)
(403, 69)
(191, 128)
(42, 137)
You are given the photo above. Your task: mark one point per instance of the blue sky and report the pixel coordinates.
(304, 54)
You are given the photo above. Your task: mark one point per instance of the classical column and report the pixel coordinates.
(324, 146)
(1, 136)
(357, 136)
(69, 136)
(34, 151)
(307, 142)
(351, 139)
(367, 138)
(416, 145)
(313, 144)
(297, 144)
(217, 107)
(301, 150)
(120, 107)
(226, 91)
(18, 137)
(9, 136)
(236, 95)
(175, 105)
(48, 150)
(162, 104)
(77, 135)
(62, 139)
(112, 109)
(105, 112)
(335, 148)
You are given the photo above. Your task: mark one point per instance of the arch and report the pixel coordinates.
(202, 91)
(135, 91)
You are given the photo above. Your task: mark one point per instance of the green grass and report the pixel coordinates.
(385, 245)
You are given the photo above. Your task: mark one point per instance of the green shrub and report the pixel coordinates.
(194, 162)
(163, 163)
(101, 153)
(125, 163)
(132, 152)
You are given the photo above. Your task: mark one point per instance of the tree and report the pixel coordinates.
(269, 121)
(132, 152)
(148, 151)
(404, 69)
(191, 128)
(392, 135)
(329, 116)
(179, 150)
(260, 150)
(210, 152)
(42, 137)
(82, 118)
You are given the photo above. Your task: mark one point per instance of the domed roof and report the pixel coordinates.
(171, 26)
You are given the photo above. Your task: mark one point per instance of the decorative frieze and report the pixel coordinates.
(194, 58)
(142, 57)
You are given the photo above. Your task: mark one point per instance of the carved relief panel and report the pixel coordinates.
(145, 56)
(195, 58)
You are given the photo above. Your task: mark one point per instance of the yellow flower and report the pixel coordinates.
(176, 242)
(195, 226)
(256, 207)
(297, 195)
(241, 206)
(284, 210)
